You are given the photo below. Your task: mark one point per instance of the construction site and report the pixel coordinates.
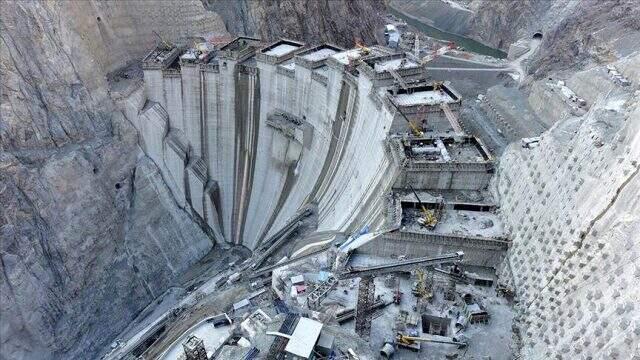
(320, 180)
(398, 260)
(366, 207)
(353, 213)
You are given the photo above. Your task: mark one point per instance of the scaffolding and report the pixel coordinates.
(364, 313)
(320, 292)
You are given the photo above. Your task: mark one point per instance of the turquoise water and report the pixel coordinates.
(466, 43)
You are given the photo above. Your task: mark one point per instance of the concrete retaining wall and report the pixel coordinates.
(477, 251)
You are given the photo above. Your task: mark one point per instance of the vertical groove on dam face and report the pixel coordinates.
(247, 107)
(336, 134)
(274, 139)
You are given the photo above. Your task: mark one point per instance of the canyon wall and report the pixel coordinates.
(571, 208)
(340, 22)
(82, 253)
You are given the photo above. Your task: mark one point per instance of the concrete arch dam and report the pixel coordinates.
(248, 134)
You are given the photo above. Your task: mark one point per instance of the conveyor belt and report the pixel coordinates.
(403, 265)
(268, 269)
(266, 243)
(276, 245)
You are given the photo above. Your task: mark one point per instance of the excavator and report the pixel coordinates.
(429, 218)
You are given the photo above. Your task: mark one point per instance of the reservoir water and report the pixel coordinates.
(466, 43)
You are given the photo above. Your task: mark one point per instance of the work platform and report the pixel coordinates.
(440, 162)
(466, 222)
(432, 107)
(316, 56)
(279, 51)
(387, 70)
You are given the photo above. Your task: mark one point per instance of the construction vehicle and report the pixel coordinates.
(363, 49)
(505, 291)
(429, 217)
(413, 342)
(421, 288)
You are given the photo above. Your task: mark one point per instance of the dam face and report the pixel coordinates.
(248, 134)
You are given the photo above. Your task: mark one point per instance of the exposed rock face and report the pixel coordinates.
(439, 14)
(571, 206)
(89, 233)
(79, 252)
(575, 32)
(341, 22)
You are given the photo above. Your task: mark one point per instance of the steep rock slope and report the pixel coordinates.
(571, 207)
(76, 265)
(439, 14)
(575, 33)
(341, 22)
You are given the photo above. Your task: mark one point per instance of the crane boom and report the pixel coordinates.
(402, 339)
(430, 218)
(164, 42)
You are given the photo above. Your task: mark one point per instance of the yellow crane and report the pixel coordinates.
(165, 44)
(422, 289)
(415, 129)
(429, 217)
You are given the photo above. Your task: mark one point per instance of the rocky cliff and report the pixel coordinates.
(340, 22)
(89, 231)
(571, 207)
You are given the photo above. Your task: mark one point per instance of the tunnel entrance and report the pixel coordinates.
(537, 35)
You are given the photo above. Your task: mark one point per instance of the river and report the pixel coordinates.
(466, 43)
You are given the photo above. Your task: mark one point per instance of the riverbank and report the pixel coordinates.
(429, 28)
